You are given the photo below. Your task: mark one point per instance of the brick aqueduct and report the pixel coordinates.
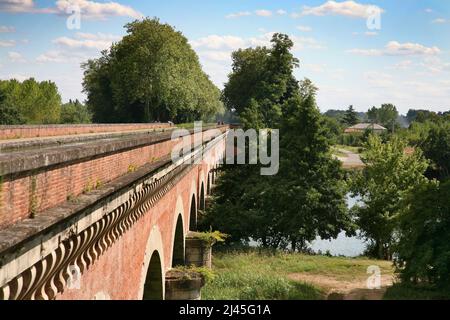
(105, 201)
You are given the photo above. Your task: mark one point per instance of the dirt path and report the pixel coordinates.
(345, 290)
(350, 160)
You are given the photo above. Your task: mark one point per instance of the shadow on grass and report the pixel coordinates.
(253, 286)
(401, 291)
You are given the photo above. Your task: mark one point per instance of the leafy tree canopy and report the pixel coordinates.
(306, 197)
(350, 117)
(75, 112)
(389, 175)
(423, 251)
(30, 102)
(152, 74)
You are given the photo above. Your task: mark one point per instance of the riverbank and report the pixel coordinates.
(255, 275)
(293, 276)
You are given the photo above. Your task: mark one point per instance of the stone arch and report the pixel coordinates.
(152, 273)
(201, 191)
(208, 184)
(154, 282)
(178, 243)
(201, 204)
(178, 249)
(193, 214)
(193, 207)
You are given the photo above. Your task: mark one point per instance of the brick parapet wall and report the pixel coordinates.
(33, 131)
(33, 181)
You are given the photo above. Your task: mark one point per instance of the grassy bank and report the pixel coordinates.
(254, 275)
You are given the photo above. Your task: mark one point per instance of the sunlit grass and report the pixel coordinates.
(264, 275)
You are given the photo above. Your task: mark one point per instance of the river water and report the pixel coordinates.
(342, 245)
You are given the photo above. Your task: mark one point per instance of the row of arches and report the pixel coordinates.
(154, 282)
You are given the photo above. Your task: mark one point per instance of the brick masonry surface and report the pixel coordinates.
(25, 194)
(33, 131)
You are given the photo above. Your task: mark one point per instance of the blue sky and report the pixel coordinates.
(405, 59)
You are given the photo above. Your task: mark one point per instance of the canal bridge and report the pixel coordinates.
(103, 202)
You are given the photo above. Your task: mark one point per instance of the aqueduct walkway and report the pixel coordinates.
(105, 200)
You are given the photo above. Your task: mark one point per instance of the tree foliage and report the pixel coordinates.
(423, 251)
(436, 147)
(350, 117)
(306, 197)
(390, 174)
(261, 81)
(75, 112)
(30, 102)
(152, 74)
(8, 113)
(386, 115)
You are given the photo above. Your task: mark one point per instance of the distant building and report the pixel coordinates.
(362, 127)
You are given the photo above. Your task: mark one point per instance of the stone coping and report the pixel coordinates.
(27, 143)
(79, 125)
(13, 237)
(23, 161)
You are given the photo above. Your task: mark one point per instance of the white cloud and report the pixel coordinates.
(230, 43)
(60, 56)
(215, 55)
(88, 9)
(439, 21)
(7, 43)
(429, 10)
(366, 52)
(18, 76)
(79, 48)
(16, 57)
(409, 48)
(345, 8)
(263, 13)
(371, 33)
(281, 12)
(238, 14)
(304, 28)
(316, 68)
(378, 79)
(394, 48)
(219, 42)
(403, 65)
(435, 65)
(97, 10)
(6, 29)
(16, 5)
(215, 51)
(97, 41)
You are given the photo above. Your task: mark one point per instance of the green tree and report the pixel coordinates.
(436, 147)
(372, 115)
(350, 117)
(389, 175)
(309, 195)
(8, 114)
(152, 74)
(423, 250)
(306, 197)
(263, 79)
(75, 112)
(386, 115)
(31, 101)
